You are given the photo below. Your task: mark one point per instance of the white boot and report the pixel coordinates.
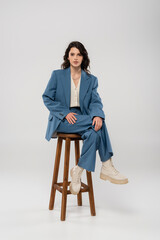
(75, 184)
(108, 172)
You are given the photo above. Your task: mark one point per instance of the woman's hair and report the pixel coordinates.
(86, 61)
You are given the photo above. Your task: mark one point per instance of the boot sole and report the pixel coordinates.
(105, 177)
(70, 186)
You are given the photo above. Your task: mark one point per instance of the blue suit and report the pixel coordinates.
(56, 98)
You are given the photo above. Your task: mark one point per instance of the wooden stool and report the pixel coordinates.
(62, 186)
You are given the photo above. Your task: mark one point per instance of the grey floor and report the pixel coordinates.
(130, 211)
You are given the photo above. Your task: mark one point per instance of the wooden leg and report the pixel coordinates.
(65, 179)
(55, 173)
(91, 195)
(77, 155)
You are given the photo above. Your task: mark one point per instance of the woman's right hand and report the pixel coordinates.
(71, 118)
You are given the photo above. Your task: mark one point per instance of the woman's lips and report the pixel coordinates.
(75, 62)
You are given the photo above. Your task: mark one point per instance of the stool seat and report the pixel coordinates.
(72, 136)
(62, 186)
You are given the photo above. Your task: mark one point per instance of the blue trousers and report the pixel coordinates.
(92, 140)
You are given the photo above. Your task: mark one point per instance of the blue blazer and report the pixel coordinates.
(56, 98)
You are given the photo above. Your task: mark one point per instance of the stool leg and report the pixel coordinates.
(55, 173)
(65, 179)
(77, 155)
(91, 195)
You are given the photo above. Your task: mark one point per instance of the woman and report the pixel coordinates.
(75, 107)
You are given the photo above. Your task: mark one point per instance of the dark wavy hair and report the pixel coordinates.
(86, 61)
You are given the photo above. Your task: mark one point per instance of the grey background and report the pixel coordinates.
(122, 39)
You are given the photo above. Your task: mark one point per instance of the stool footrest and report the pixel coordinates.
(59, 187)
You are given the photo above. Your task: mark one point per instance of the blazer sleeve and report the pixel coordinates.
(56, 108)
(96, 106)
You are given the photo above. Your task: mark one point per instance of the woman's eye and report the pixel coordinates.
(78, 54)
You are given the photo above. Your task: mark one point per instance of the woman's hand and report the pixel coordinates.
(71, 118)
(98, 121)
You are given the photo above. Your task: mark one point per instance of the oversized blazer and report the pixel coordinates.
(56, 98)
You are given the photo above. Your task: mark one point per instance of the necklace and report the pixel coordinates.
(76, 79)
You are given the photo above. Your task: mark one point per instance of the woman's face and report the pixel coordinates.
(75, 57)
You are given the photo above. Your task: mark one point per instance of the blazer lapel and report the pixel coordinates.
(84, 85)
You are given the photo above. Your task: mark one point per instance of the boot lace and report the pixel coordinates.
(77, 176)
(115, 170)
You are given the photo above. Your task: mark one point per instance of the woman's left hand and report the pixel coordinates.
(98, 121)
